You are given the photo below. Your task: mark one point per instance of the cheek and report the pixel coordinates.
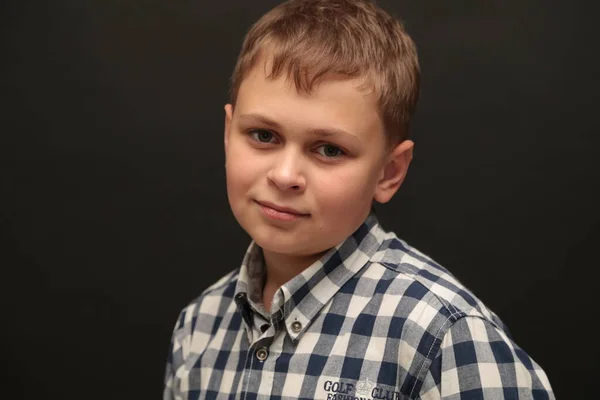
(241, 167)
(346, 189)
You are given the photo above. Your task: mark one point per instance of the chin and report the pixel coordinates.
(280, 243)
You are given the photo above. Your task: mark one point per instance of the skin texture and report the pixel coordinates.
(332, 179)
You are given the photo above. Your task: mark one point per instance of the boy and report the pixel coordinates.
(326, 304)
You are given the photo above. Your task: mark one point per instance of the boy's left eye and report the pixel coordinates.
(330, 151)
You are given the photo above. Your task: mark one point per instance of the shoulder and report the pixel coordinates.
(476, 359)
(197, 320)
(431, 283)
(424, 301)
(212, 301)
(451, 331)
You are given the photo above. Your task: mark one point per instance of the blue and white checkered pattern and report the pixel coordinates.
(373, 319)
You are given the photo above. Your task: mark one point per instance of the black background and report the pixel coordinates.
(113, 206)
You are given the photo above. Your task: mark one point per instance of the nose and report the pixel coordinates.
(286, 172)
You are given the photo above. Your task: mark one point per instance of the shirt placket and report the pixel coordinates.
(265, 347)
(259, 370)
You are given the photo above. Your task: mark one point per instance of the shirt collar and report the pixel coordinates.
(298, 301)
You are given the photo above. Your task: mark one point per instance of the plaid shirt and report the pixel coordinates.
(373, 319)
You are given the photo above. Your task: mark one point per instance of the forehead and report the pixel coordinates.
(334, 101)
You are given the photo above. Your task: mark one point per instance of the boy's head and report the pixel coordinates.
(321, 100)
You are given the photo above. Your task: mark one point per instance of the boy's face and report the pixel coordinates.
(322, 155)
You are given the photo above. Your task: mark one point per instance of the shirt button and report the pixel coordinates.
(296, 326)
(262, 354)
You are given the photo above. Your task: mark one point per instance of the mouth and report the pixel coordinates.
(275, 211)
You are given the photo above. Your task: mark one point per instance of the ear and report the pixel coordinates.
(394, 171)
(228, 117)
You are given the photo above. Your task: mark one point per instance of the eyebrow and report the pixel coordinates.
(258, 118)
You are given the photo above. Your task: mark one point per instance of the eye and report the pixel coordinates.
(261, 135)
(330, 151)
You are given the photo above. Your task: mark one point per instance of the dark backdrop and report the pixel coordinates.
(113, 206)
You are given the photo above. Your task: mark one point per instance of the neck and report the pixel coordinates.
(283, 267)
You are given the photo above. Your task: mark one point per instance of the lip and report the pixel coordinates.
(281, 209)
(279, 213)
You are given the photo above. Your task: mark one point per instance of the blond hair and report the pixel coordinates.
(309, 39)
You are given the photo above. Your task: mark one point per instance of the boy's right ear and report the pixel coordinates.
(228, 117)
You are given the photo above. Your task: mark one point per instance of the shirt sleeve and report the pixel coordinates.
(168, 388)
(476, 360)
(174, 360)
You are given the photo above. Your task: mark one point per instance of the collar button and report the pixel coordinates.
(262, 354)
(296, 326)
